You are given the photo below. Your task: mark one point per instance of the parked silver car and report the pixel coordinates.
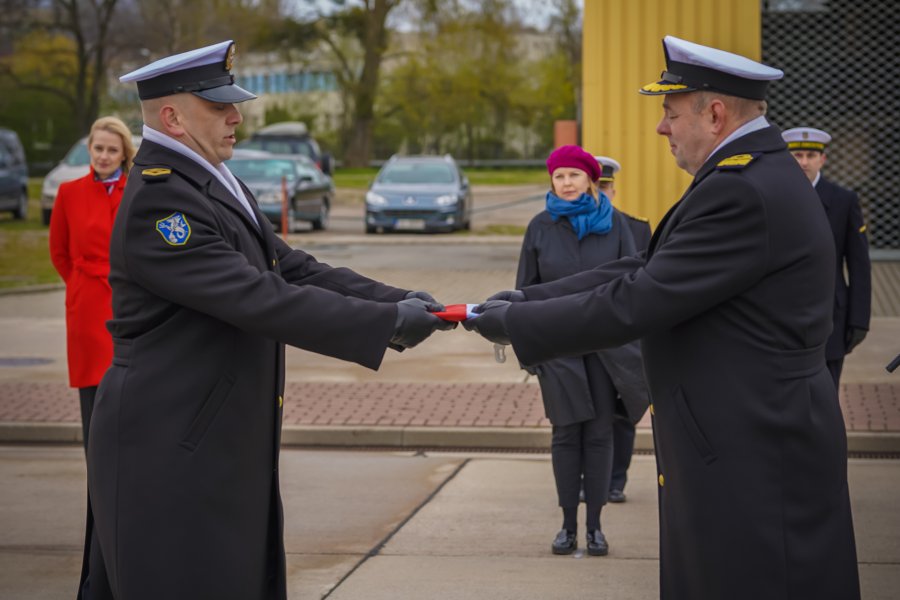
(75, 164)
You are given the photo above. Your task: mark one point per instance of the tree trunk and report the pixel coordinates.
(374, 39)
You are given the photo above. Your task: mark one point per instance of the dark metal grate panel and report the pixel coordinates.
(841, 62)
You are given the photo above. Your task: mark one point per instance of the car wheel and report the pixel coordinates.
(321, 222)
(45, 215)
(371, 229)
(21, 210)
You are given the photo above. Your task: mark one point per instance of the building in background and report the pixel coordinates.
(839, 66)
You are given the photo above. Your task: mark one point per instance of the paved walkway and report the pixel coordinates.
(448, 392)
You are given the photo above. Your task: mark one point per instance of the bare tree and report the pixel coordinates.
(87, 24)
(356, 36)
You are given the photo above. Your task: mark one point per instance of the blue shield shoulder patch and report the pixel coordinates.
(174, 229)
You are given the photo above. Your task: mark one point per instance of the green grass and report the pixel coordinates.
(24, 253)
(361, 178)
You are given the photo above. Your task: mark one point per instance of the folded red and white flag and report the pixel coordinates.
(457, 312)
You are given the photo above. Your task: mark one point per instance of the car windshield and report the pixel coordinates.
(279, 146)
(417, 173)
(78, 155)
(262, 168)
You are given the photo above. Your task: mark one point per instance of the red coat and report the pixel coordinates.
(80, 227)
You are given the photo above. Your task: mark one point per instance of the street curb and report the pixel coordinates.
(401, 239)
(336, 436)
(32, 289)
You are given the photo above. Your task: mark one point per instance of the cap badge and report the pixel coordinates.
(174, 229)
(229, 57)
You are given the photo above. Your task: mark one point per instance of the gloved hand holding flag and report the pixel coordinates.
(457, 312)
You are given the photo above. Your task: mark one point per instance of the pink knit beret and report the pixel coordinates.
(574, 157)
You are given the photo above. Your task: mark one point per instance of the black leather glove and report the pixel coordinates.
(491, 321)
(415, 322)
(423, 296)
(853, 337)
(509, 296)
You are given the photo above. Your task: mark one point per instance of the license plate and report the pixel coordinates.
(410, 224)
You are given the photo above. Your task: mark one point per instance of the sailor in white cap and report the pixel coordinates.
(183, 452)
(732, 303)
(632, 392)
(853, 291)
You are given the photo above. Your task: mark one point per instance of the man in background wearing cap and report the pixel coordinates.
(853, 298)
(183, 454)
(632, 404)
(732, 303)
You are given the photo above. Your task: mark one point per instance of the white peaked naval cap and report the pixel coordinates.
(806, 138)
(691, 67)
(204, 72)
(608, 167)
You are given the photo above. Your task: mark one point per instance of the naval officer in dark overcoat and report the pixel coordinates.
(183, 454)
(732, 303)
(853, 291)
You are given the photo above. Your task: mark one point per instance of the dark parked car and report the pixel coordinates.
(13, 175)
(309, 191)
(419, 193)
(288, 137)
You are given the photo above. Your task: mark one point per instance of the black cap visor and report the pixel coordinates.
(225, 94)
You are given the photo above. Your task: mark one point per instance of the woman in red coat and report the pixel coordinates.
(80, 227)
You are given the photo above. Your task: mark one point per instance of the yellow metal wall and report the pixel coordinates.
(622, 52)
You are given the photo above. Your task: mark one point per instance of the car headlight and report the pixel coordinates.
(270, 198)
(446, 200)
(375, 200)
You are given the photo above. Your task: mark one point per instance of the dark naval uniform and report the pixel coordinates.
(733, 306)
(183, 455)
(551, 251)
(852, 295)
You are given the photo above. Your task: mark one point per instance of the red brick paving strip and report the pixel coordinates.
(867, 407)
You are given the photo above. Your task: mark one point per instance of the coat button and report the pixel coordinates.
(662, 480)
(273, 262)
(652, 412)
(280, 401)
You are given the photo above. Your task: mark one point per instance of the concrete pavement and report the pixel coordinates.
(438, 526)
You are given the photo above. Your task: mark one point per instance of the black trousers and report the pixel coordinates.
(623, 448)
(86, 397)
(585, 450)
(94, 584)
(835, 367)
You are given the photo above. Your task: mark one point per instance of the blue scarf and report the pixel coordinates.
(585, 214)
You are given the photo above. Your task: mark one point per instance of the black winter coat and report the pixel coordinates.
(183, 452)
(853, 299)
(733, 305)
(551, 250)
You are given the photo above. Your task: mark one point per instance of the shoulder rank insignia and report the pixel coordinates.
(736, 162)
(156, 174)
(174, 229)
